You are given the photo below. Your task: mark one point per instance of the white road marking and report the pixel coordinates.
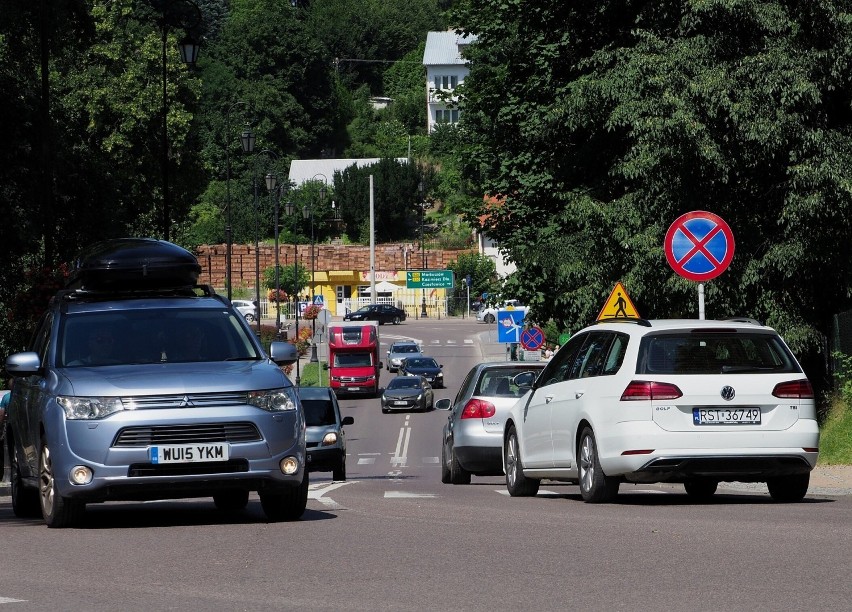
(430, 460)
(316, 491)
(400, 456)
(540, 492)
(404, 495)
(10, 600)
(366, 460)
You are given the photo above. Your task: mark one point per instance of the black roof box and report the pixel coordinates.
(133, 263)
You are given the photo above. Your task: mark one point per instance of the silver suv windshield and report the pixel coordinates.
(714, 353)
(151, 335)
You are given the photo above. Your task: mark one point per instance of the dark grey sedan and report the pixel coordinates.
(426, 367)
(408, 393)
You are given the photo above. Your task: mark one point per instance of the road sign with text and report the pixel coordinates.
(429, 279)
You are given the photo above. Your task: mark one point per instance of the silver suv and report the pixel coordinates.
(140, 384)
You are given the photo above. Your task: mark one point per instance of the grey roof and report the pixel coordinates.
(442, 48)
(304, 170)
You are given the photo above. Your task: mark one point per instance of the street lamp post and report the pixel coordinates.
(420, 188)
(271, 181)
(257, 252)
(186, 15)
(309, 212)
(247, 140)
(290, 209)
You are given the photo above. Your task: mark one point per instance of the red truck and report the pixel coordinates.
(353, 357)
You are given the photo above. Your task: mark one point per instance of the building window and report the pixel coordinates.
(447, 116)
(446, 82)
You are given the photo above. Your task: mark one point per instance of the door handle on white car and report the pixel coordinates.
(548, 399)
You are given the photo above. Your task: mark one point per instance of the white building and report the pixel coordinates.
(445, 71)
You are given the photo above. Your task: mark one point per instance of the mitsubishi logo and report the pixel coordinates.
(185, 403)
(728, 393)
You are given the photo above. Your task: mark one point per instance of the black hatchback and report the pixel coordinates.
(426, 367)
(381, 313)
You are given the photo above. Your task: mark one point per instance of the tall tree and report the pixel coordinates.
(599, 123)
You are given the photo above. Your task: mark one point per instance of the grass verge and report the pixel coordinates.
(835, 442)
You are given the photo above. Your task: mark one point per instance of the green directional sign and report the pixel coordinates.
(429, 279)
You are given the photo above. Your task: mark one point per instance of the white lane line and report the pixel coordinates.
(10, 600)
(366, 460)
(468, 341)
(540, 492)
(430, 460)
(405, 495)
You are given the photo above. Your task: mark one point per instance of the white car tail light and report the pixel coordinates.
(644, 390)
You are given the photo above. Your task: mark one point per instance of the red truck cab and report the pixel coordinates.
(353, 357)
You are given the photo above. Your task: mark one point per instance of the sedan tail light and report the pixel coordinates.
(478, 409)
(794, 389)
(643, 390)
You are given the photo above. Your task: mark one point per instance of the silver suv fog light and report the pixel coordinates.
(289, 465)
(81, 475)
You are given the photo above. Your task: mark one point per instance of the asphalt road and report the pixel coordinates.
(392, 537)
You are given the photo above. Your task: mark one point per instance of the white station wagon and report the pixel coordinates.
(686, 401)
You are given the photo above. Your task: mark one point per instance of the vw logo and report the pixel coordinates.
(727, 393)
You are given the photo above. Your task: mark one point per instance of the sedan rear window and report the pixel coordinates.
(722, 352)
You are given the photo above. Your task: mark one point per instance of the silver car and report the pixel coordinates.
(472, 438)
(324, 434)
(401, 350)
(247, 309)
(139, 385)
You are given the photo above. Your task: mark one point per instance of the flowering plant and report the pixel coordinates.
(281, 297)
(312, 311)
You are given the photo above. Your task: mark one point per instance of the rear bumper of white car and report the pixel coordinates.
(642, 452)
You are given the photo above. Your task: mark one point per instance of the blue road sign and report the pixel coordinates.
(319, 300)
(509, 325)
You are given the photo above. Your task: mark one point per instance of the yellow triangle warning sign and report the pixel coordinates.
(618, 305)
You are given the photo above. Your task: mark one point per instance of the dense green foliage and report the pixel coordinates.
(599, 123)
(83, 153)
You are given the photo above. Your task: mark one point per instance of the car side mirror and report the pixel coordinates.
(348, 420)
(443, 404)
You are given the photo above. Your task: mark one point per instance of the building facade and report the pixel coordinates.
(340, 273)
(445, 71)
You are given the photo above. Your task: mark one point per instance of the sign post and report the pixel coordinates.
(699, 246)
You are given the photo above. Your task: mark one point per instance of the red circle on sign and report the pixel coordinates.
(699, 245)
(532, 338)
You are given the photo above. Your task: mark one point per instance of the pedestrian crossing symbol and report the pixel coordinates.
(319, 300)
(618, 305)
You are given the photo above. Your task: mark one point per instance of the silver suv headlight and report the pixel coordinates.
(84, 408)
(274, 400)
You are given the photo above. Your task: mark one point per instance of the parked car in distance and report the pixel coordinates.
(324, 433)
(472, 438)
(685, 401)
(401, 350)
(488, 313)
(407, 393)
(247, 309)
(381, 313)
(426, 367)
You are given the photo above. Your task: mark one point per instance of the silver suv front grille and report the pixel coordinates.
(141, 436)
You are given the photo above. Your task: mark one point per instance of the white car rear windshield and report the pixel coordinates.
(740, 352)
